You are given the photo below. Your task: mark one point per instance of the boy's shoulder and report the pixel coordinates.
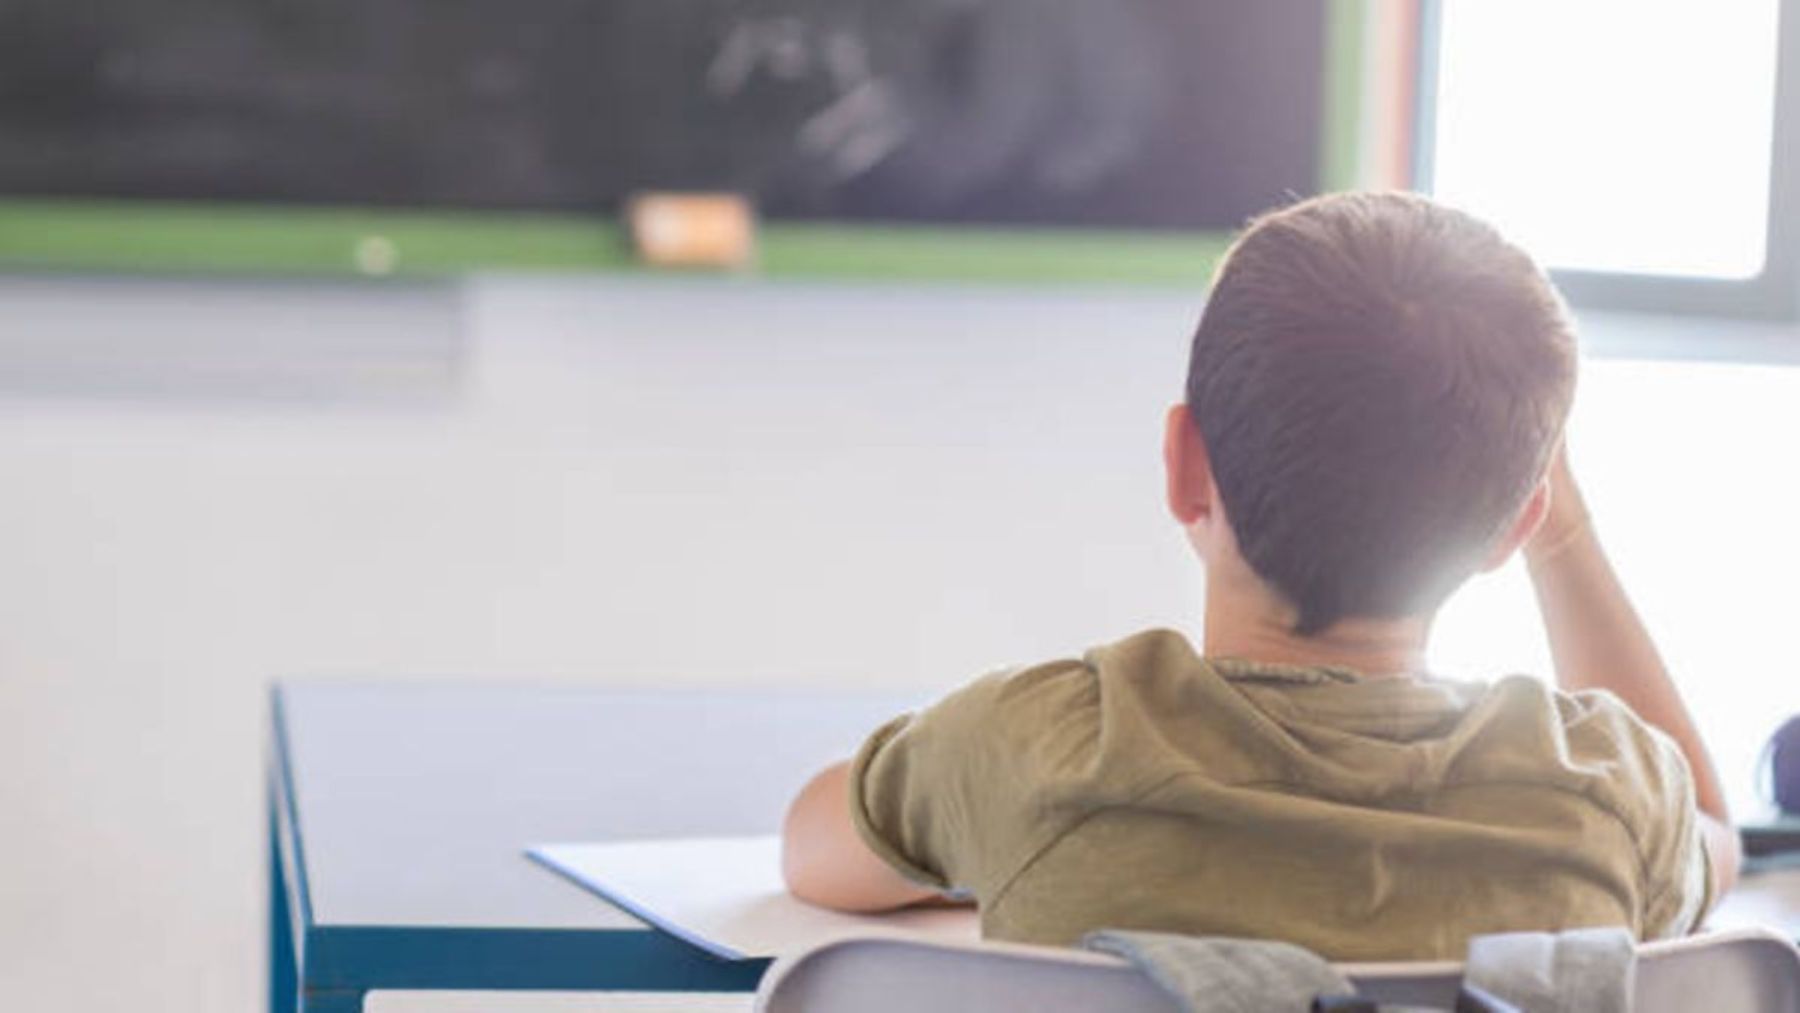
(1071, 695)
(1587, 740)
(1154, 685)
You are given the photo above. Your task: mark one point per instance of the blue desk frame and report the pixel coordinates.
(326, 964)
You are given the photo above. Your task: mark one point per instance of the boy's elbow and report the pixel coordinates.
(796, 874)
(800, 865)
(825, 862)
(808, 840)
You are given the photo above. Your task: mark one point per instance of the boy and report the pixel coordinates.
(1375, 405)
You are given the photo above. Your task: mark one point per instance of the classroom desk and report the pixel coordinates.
(399, 811)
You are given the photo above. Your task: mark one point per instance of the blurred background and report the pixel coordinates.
(326, 350)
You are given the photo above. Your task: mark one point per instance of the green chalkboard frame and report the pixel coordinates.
(199, 237)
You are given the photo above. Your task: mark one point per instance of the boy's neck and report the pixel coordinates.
(1244, 623)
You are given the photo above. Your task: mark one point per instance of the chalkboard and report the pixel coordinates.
(1131, 113)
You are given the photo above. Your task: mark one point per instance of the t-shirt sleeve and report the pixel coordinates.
(1658, 788)
(880, 808)
(1677, 872)
(951, 796)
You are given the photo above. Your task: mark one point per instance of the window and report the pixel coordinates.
(1639, 149)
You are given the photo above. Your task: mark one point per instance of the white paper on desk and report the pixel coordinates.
(1768, 898)
(725, 895)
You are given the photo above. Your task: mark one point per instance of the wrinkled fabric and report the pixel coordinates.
(1207, 975)
(1580, 971)
(1142, 787)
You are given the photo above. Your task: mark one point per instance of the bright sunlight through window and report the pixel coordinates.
(1611, 135)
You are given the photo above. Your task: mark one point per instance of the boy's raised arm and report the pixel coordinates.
(1598, 642)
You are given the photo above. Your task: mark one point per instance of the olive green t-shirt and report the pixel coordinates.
(1144, 787)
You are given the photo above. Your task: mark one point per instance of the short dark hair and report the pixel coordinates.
(1379, 381)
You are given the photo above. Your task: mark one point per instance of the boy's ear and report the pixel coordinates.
(1529, 519)
(1188, 467)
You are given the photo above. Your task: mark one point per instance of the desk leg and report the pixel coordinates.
(331, 1002)
(284, 978)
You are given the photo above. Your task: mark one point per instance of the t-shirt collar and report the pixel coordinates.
(1246, 670)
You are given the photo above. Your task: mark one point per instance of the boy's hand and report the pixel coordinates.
(1567, 518)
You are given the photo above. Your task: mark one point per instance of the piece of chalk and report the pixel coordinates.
(692, 229)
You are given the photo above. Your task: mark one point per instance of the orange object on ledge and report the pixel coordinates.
(692, 229)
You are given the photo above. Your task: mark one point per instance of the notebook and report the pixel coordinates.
(725, 895)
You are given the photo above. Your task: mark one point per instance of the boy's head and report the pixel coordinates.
(1377, 384)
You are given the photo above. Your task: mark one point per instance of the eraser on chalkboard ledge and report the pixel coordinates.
(693, 230)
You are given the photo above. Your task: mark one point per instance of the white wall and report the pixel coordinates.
(649, 482)
(668, 482)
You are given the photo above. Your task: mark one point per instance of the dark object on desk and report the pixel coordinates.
(1781, 761)
(1784, 766)
(1772, 845)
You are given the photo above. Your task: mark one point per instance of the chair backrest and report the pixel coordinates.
(1742, 971)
